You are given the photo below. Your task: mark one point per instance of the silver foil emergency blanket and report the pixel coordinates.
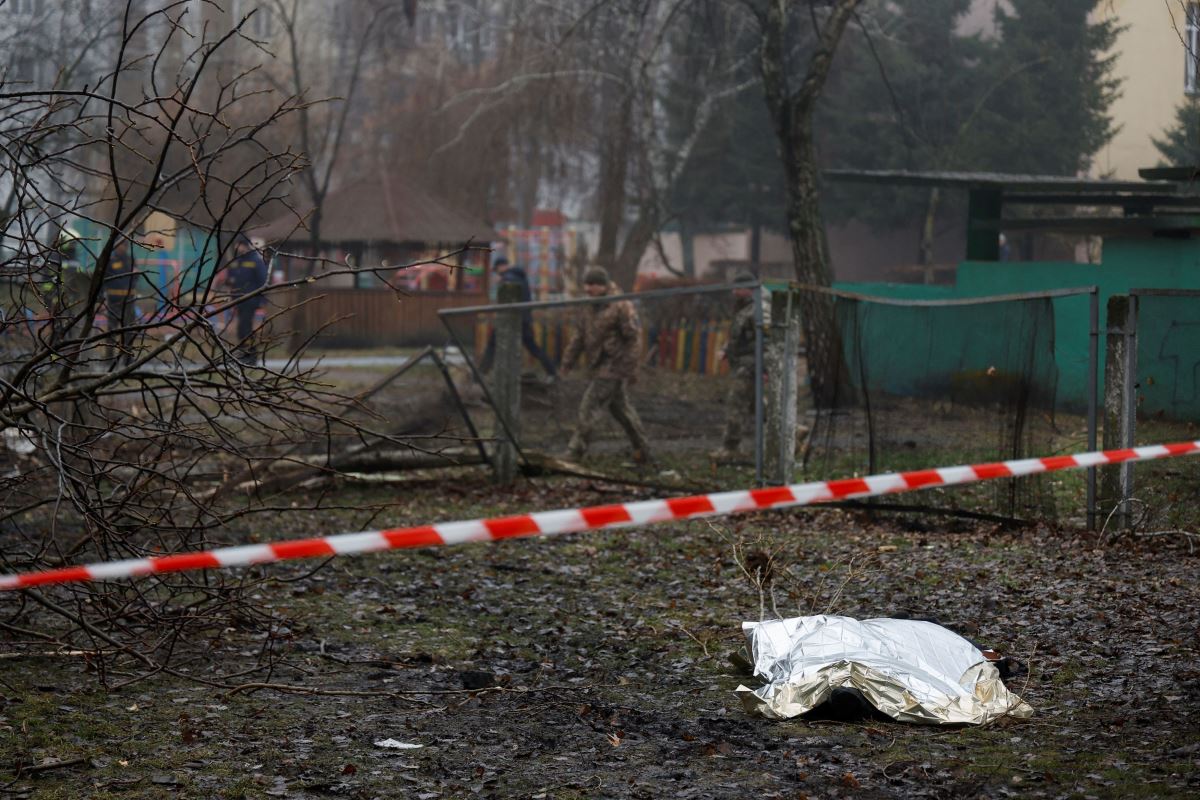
(912, 671)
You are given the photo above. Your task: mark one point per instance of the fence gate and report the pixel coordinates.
(687, 395)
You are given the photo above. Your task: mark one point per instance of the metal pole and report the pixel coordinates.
(960, 301)
(1129, 420)
(412, 362)
(791, 343)
(534, 305)
(1092, 398)
(462, 408)
(506, 381)
(758, 385)
(487, 395)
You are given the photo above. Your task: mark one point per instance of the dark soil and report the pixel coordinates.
(597, 665)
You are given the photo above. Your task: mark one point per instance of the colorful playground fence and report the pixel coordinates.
(690, 346)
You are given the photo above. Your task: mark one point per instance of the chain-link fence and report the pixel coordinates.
(931, 383)
(662, 377)
(1163, 394)
(921, 384)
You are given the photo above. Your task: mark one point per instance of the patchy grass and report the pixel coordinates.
(596, 666)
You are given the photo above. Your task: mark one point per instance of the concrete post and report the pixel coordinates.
(506, 384)
(783, 344)
(1120, 405)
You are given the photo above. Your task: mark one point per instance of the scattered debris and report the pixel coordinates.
(395, 744)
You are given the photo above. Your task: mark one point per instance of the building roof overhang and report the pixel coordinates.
(1165, 203)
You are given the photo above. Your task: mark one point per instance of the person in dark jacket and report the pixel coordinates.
(514, 274)
(119, 297)
(244, 275)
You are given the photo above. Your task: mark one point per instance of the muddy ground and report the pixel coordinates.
(597, 665)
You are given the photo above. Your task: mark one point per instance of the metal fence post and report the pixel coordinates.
(1093, 377)
(1120, 402)
(506, 383)
(784, 343)
(1129, 391)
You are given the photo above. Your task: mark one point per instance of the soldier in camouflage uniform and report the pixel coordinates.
(739, 352)
(607, 334)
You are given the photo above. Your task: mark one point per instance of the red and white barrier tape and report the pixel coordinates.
(572, 520)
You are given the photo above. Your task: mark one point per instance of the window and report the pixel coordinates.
(260, 25)
(25, 8)
(1192, 41)
(26, 68)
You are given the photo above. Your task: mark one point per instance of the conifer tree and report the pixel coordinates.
(1054, 66)
(1180, 145)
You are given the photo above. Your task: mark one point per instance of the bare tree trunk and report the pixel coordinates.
(530, 176)
(614, 169)
(325, 144)
(822, 337)
(314, 238)
(792, 114)
(624, 268)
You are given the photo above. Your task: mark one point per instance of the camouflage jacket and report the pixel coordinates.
(607, 335)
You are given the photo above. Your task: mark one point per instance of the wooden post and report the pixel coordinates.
(783, 343)
(1120, 404)
(506, 383)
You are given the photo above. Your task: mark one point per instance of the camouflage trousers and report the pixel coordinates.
(739, 407)
(607, 394)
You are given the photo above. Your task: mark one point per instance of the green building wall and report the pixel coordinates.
(1168, 328)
